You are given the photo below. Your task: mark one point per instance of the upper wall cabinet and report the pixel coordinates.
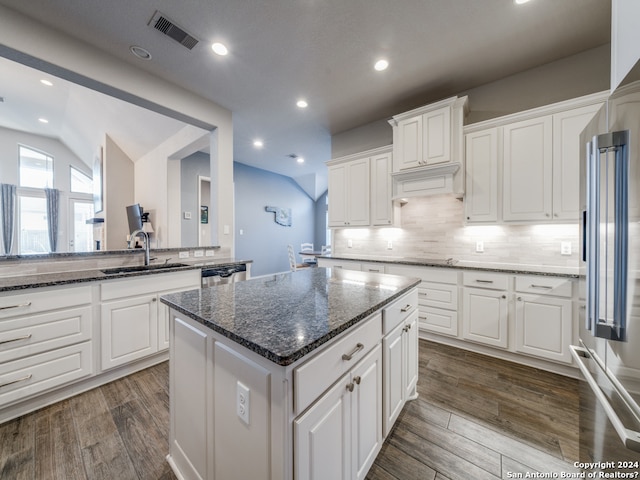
(427, 141)
(360, 189)
(525, 167)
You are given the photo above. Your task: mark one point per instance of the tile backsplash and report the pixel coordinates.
(433, 227)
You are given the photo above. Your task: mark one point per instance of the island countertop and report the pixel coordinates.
(284, 317)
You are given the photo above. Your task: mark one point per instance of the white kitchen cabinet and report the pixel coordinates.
(482, 187)
(527, 170)
(544, 317)
(349, 193)
(360, 189)
(383, 210)
(340, 435)
(335, 263)
(567, 127)
(485, 308)
(373, 267)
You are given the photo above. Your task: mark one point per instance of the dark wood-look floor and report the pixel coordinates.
(476, 418)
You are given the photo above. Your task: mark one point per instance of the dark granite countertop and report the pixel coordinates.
(284, 317)
(514, 268)
(22, 282)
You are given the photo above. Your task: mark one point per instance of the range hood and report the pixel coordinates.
(430, 180)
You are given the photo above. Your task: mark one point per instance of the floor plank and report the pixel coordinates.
(476, 417)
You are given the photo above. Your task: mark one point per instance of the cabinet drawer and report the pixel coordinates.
(560, 287)
(373, 267)
(492, 281)
(38, 333)
(398, 311)
(43, 300)
(438, 321)
(35, 374)
(426, 274)
(438, 295)
(152, 283)
(320, 372)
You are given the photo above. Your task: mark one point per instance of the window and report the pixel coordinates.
(80, 183)
(36, 168)
(34, 237)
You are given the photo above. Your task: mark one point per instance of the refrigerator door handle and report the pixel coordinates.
(630, 438)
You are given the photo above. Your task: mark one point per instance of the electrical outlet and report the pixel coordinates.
(479, 246)
(565, 248)
(183, 255)
(349, 243)
(198, 253)
(242, 402)
(389, 245)
(210, 253)
(187, 215)
(225, 230)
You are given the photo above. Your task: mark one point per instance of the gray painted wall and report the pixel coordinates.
(263, 240)
(190, 168)
(571, 77)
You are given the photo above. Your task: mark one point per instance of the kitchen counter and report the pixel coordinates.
(22, 282)
(283, 317)
(571, 272)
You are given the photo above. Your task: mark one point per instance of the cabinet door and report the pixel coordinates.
(366, 413)
(527, 178)
(337, 181)
(322, 436)
(411, 355)
(543, 326)
(484, 316)
(436, 140)
(481, 195)
(407, 144)
(129, 330)
(567, 127)
(393, 376)
(357, 193)
(381, 204)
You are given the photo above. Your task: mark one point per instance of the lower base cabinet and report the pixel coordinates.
(341, 434)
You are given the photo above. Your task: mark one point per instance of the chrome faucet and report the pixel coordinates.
(146, 243)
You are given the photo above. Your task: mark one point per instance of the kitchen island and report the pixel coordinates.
(298, 375)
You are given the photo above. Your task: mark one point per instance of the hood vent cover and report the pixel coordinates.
(160, 22)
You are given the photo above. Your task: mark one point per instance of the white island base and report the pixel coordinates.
(237, 415)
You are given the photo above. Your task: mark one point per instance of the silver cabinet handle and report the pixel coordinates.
(24, 337)
(28, 304)
(349, 356)
(484, 281)
(350, 387)
(357, 380)
(519, 299)
(630, 438)
(547, 287)
(23, 379)
(406, 308)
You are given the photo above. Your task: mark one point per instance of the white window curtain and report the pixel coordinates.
(8, 211)
(53, 208)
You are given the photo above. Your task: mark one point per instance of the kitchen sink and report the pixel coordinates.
(141, 268)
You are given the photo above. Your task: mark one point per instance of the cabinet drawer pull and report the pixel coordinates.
(484, 281)
(406, 328)
(349, 356)
(24, 337)
(357, 380)
(28, 304)
(350, 387)
(23, 379)
(406, 308)
(547, 287)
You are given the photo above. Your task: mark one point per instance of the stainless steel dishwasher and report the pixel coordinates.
(218, 275)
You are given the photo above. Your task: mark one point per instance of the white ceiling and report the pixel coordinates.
(324, 50)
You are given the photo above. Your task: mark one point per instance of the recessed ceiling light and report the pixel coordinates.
(219, 49)
(258, 143)
(46, 82)
(140, 52)
(43, 120)
(381, 65)
(300, 160)
(302, 103)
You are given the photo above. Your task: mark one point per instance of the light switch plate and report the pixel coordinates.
(565, 248)
(210, 253)
(198, 253)
(479, 246)
(183, 255)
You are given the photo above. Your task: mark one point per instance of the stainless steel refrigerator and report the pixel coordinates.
(609, 349)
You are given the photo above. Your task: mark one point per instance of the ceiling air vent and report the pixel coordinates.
(168, 27)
